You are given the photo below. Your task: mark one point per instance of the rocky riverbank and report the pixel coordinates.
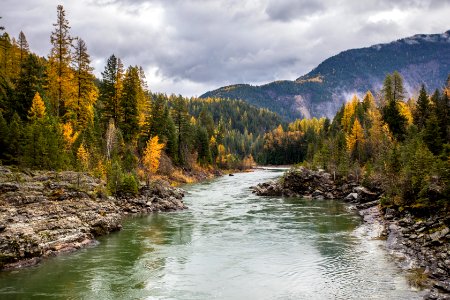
(43, 213)
(421, 244)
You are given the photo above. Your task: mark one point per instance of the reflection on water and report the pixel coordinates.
(230, 244)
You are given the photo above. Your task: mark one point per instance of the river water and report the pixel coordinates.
(230, 244)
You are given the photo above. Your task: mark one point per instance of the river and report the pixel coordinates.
(229, 244)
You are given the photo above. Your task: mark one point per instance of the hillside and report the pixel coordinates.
(420, 59)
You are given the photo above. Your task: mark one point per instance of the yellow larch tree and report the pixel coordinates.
(60, 77)
(37, 110)
(86, 93)
(355, 139)
(152, 155)
(349, 112)
(69, 135)
(83, 157)
(405, 111)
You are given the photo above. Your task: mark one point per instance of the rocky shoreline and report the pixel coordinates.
(43, 214)
(420, 244)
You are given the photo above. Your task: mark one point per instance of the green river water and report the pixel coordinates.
(229, 244)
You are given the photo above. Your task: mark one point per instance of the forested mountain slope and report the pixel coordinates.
(420, 59)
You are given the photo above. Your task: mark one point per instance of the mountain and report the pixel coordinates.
(422, 58)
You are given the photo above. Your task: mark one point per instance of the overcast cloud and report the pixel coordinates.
(192, 46)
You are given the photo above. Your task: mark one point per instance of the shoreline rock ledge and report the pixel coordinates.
(319, 185)
(46, 213)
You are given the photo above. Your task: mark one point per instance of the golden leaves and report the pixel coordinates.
(37, 110)
(69, 135)
(152, 155)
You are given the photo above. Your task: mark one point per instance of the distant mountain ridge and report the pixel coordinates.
(422, 58)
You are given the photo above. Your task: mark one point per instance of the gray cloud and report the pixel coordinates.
(193, 46)
(287, 10)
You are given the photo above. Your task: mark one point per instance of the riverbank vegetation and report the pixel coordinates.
(401, 145)
(56, 115)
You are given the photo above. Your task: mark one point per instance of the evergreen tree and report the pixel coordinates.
(442, 111)
(24, 49)
(3, 137)
(422, 110)
(111, 89)
(206, 120)
(14, 139)
(204, 153)
(180, 117)
(86, 91)
(157, 119)
(29, 82)
(129, 104)
(171, 136)
(432, 134)
(387, 90)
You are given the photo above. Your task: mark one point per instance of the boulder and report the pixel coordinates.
(364, 195)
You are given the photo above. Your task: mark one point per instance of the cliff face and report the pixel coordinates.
(45, 213)
(420, 59)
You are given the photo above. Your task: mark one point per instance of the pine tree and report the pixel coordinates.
(432, 134)
(180, 117)
(24, 49)
(204, 153)
(206, 120)
(29, 82)
(422, 110)
(442, 111)
(86, 91)
(3, 137)
(59, 74)
(157, 119)
(14, 139)
(129, 104)
(111, 89)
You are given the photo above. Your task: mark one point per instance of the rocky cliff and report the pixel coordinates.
(46, 213)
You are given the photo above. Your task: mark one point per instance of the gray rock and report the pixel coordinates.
(352, 197)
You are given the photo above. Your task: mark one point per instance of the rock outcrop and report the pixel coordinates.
(302, 182)
(46, 213)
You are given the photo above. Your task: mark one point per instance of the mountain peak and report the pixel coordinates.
(422, 58)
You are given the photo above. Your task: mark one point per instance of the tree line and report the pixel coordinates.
(54, 114)
(401, 145)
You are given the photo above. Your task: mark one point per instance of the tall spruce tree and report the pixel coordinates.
(180, 117)
(422, 110)
(111, 89)
(129, 104)
(24, 49)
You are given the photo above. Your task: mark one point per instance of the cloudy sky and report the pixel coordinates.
(192, 46)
